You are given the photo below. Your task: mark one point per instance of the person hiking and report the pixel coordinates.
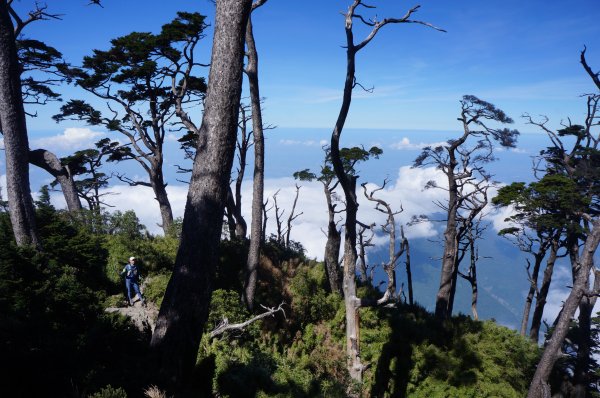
(131, 273)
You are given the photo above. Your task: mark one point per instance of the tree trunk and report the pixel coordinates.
(48, 161)
(539, 387)
(540, 300)
(160, 192)
(473, 280)
(348, 184)
(332, 246)
(444, 295)
(533, 284)
(453, 283)
(256, 230)
(406, 247)
(16, 143)
(230, 214)
(581, 374)
(186, 302)
(352, 303)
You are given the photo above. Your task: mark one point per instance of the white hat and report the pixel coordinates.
(131, 258)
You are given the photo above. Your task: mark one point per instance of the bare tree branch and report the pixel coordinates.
(225, 326)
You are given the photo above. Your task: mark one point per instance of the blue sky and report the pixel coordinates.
(522, 56)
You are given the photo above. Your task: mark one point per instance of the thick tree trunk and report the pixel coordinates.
(332, 246)
(453, 283)
(16, 143)
(581, 374)
(348, 183)
(256, 227)
(352, 302)
(540, 300)
(160, 192)
(48, 161)
(186, 302)
(443, 302)
(533, 284)
(539, 387)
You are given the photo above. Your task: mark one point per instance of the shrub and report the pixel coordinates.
(110, 392)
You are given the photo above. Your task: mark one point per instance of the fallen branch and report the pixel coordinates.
(225, 326)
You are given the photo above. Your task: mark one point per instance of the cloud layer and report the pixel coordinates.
(72, 139)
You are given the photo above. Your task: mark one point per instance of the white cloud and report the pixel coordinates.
(308, 228)
(73, 138)
(498, 216)
(499, 148)
(407, 190)
(3, 190)
(304, 143)
(171, 137)
(1, 143)
(405, 144)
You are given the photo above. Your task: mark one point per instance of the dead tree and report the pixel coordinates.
(293, 216)
(389, 228)
(278, 218)
(474, 230)
(473, 200)
(233, 207)
(363, 243)
(256, 224)
(225, 326)
(265, 217)
(348, 181)
(462, 164)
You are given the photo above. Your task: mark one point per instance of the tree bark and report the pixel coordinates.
(533, 284)
(160, 191)
(48, 161)
(348, 183)
(581, 373)
(332, 246)
(16, 143)
(539, 387)
(256, 227)
(540, 300)
(448, 274)
(406, 248)
(186, 302)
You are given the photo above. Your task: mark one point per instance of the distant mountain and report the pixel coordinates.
(502, 278)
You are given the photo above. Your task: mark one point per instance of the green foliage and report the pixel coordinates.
(155, 287)
(418, 356)
(53, 324)
(109, 392)
(310, 301)
(35, 57)
(125, 224)
(544, 205)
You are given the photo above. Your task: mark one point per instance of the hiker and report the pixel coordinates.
(131, 273)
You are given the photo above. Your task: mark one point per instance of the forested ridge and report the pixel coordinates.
(234, 307)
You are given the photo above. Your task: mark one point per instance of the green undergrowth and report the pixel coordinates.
(53, 328)
(406, 351)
